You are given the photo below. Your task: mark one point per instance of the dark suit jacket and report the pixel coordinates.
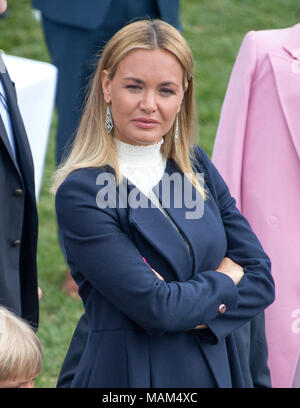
(89, 15)
(144, 323)
(18, 217)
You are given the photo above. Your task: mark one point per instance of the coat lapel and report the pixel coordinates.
(160, 233)
(3, 133)
(4, 138)
(183, 253)
(180, 206)
(286, 68)
(25, 161)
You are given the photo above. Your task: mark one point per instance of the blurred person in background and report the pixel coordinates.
(3, 6)
(75, 32)
(18, 212)
(257, 151)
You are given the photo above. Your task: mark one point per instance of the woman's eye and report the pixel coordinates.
(133, 87)
(167, 91)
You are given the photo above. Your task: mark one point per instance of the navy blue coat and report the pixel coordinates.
(141, 329)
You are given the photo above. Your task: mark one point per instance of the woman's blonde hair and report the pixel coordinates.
(93, 145)
(21, 352)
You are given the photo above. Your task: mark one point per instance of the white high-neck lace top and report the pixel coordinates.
(143, 166)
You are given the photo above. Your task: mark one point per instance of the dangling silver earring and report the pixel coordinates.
(176, 130)
(109, 124)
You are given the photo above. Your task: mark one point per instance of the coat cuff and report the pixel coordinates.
(210, 334)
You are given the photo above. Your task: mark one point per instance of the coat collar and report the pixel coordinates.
(286, 68)
(184, 257)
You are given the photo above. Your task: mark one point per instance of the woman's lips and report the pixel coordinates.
(145, 123)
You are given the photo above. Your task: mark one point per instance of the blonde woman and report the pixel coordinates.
(21, 352)
(164, 284)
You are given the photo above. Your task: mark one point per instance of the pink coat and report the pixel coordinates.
(257, 151)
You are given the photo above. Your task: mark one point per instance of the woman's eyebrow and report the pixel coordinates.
(140, 81)
(167, 83)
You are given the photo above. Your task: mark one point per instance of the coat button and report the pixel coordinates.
(222, 308)
(18, 192)
(16, 243)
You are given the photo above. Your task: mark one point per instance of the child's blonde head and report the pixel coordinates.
(21, 352)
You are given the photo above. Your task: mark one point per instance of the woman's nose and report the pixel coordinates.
(148, 102)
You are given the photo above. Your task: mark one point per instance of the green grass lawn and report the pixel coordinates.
(214, 30)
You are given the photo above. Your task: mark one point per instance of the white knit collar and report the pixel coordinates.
(139, 155)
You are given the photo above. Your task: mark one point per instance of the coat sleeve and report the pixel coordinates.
(256, 288)
(230, 138)
(110, 261)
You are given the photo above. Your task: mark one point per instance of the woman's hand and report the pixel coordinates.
(231, 269)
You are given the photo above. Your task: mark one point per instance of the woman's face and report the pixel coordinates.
(145, 95)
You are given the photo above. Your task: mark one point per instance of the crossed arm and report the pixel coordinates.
(242, 281)
(228, 267)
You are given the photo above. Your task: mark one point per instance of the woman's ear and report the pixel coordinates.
(106, 84)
